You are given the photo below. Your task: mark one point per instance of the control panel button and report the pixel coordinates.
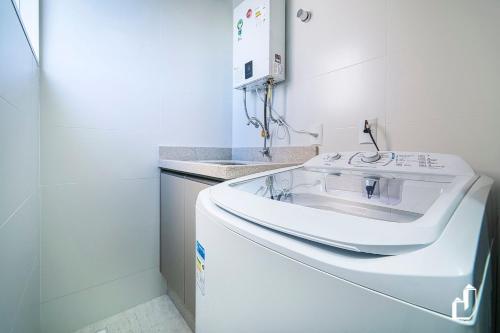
(370, 157)
(333, 156)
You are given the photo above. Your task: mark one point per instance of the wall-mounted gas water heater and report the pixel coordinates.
(259, 64)
(258, 43)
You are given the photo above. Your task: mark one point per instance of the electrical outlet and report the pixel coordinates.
(318, 140)
(364, 138)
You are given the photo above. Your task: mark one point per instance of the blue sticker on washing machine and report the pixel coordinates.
(200, 267)
(200, 250)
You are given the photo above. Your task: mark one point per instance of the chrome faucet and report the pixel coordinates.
(266, 152)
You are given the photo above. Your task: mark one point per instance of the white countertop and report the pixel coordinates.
(215, 169)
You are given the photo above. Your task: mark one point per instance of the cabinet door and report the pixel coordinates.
(172, 233)
(192, 190)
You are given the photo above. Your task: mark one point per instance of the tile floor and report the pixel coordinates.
(156, 316)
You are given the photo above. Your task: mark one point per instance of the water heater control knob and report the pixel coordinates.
(370, 157)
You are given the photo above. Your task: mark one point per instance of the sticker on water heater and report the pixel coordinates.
(260, 15)
(239, 26)
(200, 267)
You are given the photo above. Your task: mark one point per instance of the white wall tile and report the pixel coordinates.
(443, 60)
(19, 200)
(19, 253)
(338, 100)
(97, 232)
(30, 18)
(193, 118)
(129, 100)
(27, 319)
(17, 82)
(91, 305)
(73, 155)
(18, 157)
(341, 33)
(111, 59)
(196, 75)
(442, 79)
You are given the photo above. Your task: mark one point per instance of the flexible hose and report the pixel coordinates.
(251, 120)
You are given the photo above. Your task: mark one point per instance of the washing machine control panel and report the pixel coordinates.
(415, 162)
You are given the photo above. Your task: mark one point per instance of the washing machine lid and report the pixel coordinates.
(387, 204)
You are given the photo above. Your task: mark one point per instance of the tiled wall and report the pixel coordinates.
(120, 78)
(19, 190)
(428, 70)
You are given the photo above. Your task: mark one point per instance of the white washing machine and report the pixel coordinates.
(349, 242)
